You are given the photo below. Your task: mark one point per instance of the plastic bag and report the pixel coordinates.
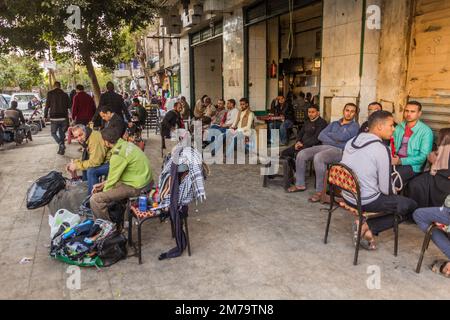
(62, 217)
(44, 189)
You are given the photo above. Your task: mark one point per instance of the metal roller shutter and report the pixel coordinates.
(429, 63)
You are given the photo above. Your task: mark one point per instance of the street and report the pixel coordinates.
(248, 242)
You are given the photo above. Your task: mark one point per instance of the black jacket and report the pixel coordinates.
(309, 133)
(170, 121)
(117, 124)
(58, 102)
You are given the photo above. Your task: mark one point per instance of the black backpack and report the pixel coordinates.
(112, 249)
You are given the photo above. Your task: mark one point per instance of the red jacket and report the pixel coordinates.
(83, 107)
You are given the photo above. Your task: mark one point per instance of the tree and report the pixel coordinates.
(20, 71)
(34, 26)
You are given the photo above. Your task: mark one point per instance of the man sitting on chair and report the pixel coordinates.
(95, 159)
(129, 173)
(369, 158)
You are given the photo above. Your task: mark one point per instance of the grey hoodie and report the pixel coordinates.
(370, 160)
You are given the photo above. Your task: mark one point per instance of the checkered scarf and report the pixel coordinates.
(191, 183)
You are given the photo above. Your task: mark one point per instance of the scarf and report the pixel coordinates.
(442, 157)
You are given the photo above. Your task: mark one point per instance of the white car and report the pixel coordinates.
(24, 103)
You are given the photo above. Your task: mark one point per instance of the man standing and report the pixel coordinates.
(57, 105)
(129, 173)
(308, 136)
(172, 120)
(333, 138)
(369, 159)
(413, 142)
(139, 111)
(115, 101)
(83, 108)
(94, 161)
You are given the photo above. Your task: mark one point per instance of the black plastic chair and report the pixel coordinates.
(342, 177)
(426, 242)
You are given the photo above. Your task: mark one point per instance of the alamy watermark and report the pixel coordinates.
(373, 17)
(373, 282)
(73, 281)
(73, 22)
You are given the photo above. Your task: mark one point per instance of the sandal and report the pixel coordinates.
(438, 267)
(364, 243)
(316, 197)
(295, 189)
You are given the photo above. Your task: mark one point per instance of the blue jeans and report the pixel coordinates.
(92, 175)
(232, 141)
(273, 125)
(58, 130)
(424, 217)
(287, 124)
(216, 127)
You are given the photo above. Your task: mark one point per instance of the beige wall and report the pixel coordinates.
(341, 56)
(208, 69)
(233, 55)
(257, 66)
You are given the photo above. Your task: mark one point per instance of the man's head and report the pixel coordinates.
(14, 104)
(309, 96)
(381, 124)
(373, 107)
(207, 101)
(412, 112)
(350, 111)
(136, 102)
(178, 107)
(57, 84)
(183, 98)
(79, 88)
(203, 98)
(281, 99)
(126, 95)
(302, 95)
(106, 112)
(220, 104)
(231, 103)
(243, 103)
(110, 86)
(313, 112)
(79, 133)
(109, 137)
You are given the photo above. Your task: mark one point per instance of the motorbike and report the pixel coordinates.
(13, 132)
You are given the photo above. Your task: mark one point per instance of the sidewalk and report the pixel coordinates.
(248, 242)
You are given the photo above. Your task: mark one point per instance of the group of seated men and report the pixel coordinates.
(107, 154)
(215, 120)
(373, 151)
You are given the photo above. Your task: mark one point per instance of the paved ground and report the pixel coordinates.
(248, 242)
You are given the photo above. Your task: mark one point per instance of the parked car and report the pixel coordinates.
(3, 105)
(28, 102)
(7, 97)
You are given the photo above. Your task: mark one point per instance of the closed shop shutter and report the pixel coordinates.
(429, 63)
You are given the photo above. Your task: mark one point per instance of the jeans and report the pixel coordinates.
(92, 175)
(273, 125)
(232, 141)
(391, 204)
(424, 217)
(211, 131)
(322, 156)
(287, 124)
(58, 130)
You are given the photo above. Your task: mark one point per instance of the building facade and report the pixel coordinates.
(342, 51)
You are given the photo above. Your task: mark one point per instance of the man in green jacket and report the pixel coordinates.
(129, 173)
(413, 141)
(95, 159)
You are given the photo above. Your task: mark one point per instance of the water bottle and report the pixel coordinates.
(142, 203)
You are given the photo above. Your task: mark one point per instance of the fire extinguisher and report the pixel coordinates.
(273, 70)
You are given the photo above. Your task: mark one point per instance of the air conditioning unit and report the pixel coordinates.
(190, 20)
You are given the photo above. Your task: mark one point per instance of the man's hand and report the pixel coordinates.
(98, 187)
(298, 146)
(432, 157)
(71, 166)
(396, 161)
